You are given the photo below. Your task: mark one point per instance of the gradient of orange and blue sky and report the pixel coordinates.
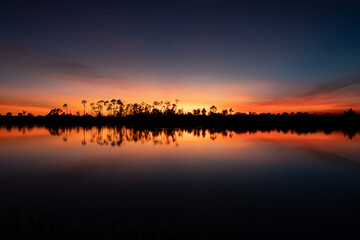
(261, 56)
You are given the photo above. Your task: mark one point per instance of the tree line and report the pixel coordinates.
(118, 108)
(168, 114)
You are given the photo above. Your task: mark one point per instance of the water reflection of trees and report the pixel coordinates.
(117, 135)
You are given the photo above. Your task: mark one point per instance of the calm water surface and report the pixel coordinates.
(247, 182)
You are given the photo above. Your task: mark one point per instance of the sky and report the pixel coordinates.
(259, 56)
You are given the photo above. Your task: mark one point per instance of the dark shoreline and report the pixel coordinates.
(298, 123)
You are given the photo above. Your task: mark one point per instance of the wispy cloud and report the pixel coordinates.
(10, 52)
(330, 96)
(332, 86)
(47, 62)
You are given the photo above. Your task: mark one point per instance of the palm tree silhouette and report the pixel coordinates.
(83, 102)
(66, 107)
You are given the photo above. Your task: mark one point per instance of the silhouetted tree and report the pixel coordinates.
(350, 113)
(65, 106)
(213, 109)
(83, 102)
(113, 106)
(196, 112)
(55, 112)
(120, 107)
(92, 108)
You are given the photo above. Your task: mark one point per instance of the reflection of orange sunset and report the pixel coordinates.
(149, 148)
(108, 135)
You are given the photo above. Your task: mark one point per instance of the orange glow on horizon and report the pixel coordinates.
(259, 98)
(244, 107)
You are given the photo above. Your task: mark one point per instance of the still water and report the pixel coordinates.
(191, 180)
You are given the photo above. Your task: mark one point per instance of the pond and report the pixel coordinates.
(117, 182)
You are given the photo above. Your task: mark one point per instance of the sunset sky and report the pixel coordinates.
(259, 56)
